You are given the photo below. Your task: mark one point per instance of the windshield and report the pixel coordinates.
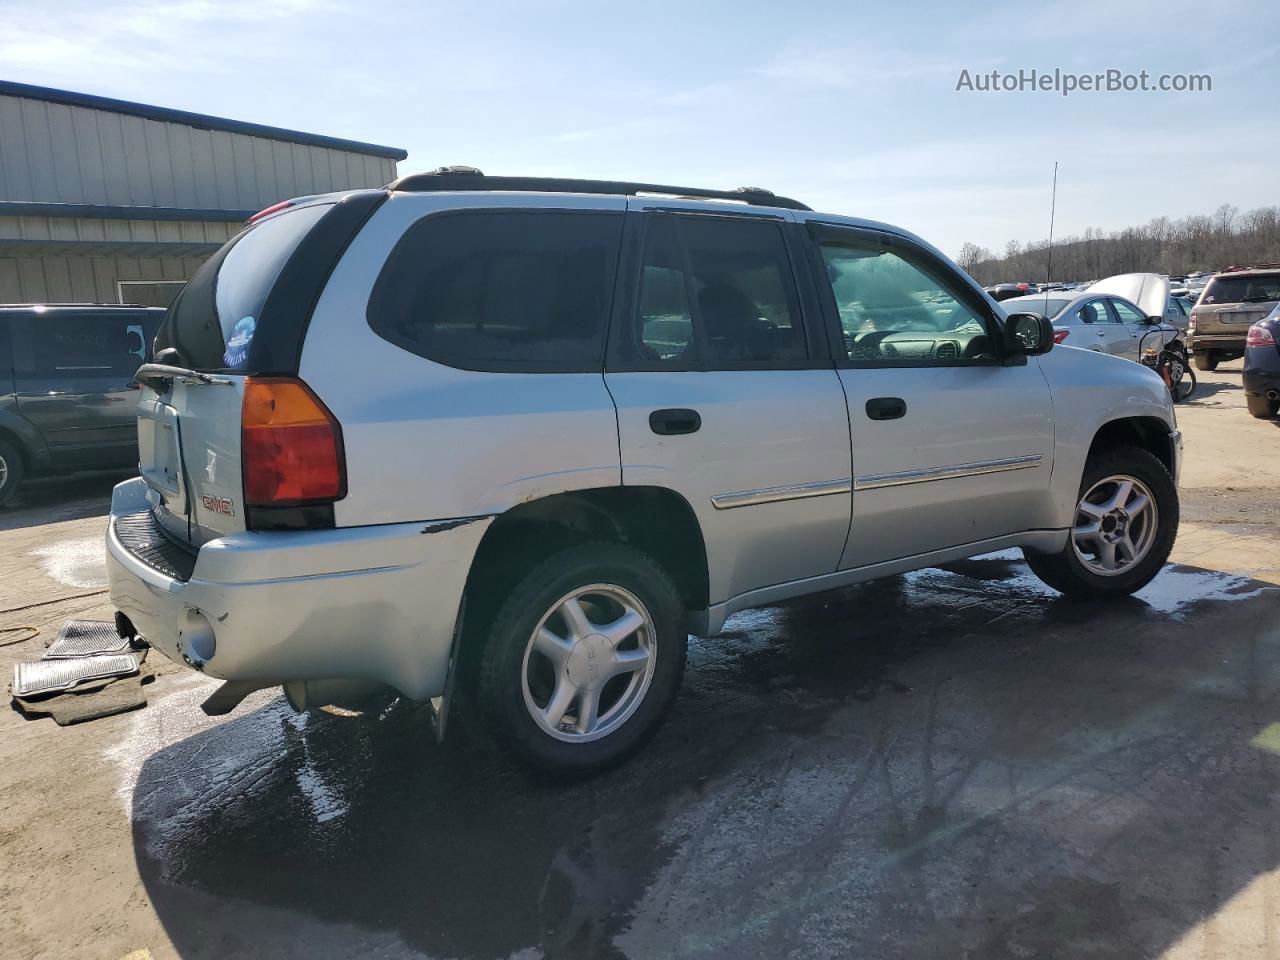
(213, 320)
(1253, 288)
(1045, 306)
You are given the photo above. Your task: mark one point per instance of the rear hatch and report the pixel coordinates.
(224, 327)
(1232, 302)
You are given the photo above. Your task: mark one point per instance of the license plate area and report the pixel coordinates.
(160, 452)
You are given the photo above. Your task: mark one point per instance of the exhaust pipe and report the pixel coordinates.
(349, 694)
(1273, 395)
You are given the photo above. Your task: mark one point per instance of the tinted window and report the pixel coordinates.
(501, 289)
(1258, 288)
(1127, 313)
(80, 346)
(213, 320)
(896, 307)
(714, 293)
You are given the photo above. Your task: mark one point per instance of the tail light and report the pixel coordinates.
(1060, 335)
(291, 445)
(267, 211)
(1191, 324)
(1260, 336)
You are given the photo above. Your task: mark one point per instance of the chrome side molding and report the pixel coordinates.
(793, 491)
(881, 480)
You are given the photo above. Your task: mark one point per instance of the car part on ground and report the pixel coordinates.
(35, 677)
(86, 638)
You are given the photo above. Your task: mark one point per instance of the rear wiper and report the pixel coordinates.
(158, 376)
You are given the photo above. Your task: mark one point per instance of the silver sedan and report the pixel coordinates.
(1096, 321)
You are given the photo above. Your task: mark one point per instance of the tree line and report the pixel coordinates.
(1174, 247)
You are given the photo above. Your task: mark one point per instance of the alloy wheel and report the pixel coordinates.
(589, 662)
(1115, 525)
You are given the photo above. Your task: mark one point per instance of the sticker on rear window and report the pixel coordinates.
(237, 354)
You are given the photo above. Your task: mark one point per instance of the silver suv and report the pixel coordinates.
(518, 438)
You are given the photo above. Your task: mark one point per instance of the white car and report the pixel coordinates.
(1124, 315)
(520, 437)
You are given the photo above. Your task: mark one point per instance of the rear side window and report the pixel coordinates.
(501, 290)
(213, 321)
(63, 347)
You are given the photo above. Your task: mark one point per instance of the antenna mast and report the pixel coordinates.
(1053, 209)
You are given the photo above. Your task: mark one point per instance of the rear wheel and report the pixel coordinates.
(1260, 406)
(1125, 523)
(11, 471)
(583, 658)
(1206, 360)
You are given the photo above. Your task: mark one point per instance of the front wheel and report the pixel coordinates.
(1125, 522)
(1182, 380)
(583, 658)
(1260, 406)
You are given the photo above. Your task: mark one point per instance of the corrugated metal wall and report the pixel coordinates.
(66, 154)
(88, 279)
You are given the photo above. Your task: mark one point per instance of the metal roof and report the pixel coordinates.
(200, 121)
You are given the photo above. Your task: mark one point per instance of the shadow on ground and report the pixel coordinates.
(53, 499)
(951, 762)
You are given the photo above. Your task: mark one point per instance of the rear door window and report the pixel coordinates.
(516, 290)
(715, 293)
(213, 320)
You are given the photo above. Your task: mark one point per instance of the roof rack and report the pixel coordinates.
(469, 178)
(1253, 266)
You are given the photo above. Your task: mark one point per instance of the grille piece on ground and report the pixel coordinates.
(85, 638)
(49, 676)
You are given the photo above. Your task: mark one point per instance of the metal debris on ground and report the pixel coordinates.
(86, 638)
(89, 671)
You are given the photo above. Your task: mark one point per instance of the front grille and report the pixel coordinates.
(141, 535)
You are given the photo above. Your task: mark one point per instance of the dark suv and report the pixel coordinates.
(68, 399)
(1231, 303)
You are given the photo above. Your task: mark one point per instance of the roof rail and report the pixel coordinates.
(469, 178)
(1253, 266)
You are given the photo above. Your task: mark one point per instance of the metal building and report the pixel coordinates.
(107, 201)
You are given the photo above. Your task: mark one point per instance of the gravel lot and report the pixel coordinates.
(950, 763)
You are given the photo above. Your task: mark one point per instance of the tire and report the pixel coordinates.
(12, 471)
(518, 682)
(1075, 570)
(1261, 407)
(1205, 360)
(1184, 388)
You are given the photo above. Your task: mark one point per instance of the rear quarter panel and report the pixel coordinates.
(426, 441)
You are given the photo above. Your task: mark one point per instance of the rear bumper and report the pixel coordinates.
(1257, 380)
(1233, 342)
(371, 603)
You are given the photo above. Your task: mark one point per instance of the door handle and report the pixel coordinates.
(886, 408)
(674, 421)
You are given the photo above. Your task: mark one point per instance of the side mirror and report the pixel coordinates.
(1028, 334)
(1155, 321)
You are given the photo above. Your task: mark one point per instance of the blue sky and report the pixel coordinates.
(850, 106)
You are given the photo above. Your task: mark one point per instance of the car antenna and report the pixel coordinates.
(1053, 209)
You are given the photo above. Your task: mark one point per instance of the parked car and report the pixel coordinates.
(519, 437)
(67, 392)
(1230, 304)
(1006, 291)
(1092, 320)
(1261, 375)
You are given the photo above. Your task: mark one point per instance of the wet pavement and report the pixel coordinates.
(952, 763)
(949, 763)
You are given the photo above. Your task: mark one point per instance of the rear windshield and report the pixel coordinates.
(1257, 288)
(1045, 306)
(213, 320)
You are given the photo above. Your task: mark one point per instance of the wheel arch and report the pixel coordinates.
(1150, 433)
(657, 520)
